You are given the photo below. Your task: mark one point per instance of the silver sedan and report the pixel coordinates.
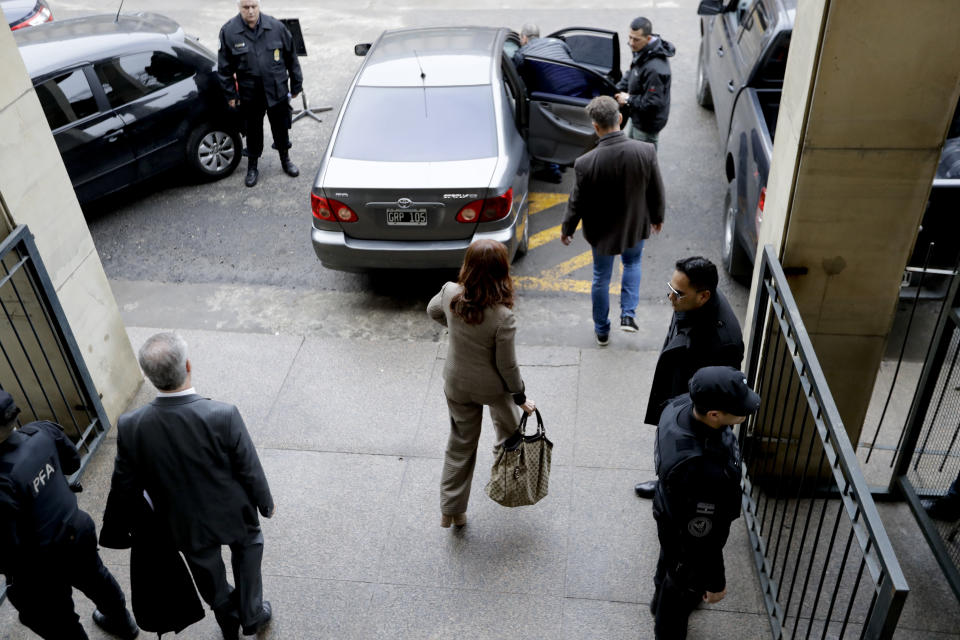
(433, 143)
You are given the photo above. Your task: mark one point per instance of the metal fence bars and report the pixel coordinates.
(929, 461)
(40, 363)
(826, 566)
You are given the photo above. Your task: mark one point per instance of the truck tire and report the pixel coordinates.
(213, 152)
(704, 97)
(735, 259)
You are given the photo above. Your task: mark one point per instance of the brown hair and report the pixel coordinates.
(485, 276)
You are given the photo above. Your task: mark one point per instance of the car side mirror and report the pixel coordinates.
(710, 7)
(361, 49)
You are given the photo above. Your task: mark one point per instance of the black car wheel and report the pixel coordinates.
(735, 259)
(524, 245)
(213, 152)
(704, 97)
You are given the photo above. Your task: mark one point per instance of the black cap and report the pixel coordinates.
(723, 389)
(8, 408)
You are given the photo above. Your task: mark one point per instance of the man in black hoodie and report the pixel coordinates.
(645, 88)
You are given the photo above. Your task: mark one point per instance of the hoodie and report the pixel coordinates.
(648, 83)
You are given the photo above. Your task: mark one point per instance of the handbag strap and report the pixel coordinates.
(523, 423)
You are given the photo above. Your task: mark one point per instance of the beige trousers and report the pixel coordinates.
(466, 414)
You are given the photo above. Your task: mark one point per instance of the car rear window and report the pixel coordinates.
(417, 124)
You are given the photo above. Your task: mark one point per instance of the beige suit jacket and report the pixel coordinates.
(481, 358)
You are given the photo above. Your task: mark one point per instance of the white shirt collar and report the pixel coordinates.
(175, 394)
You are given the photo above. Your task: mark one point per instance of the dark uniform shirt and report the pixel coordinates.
(35, 500)
(698, 494)
(262, 56)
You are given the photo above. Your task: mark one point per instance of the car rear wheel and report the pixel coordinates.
(213, 152)
(735, 259)
(524, 245)
(704, 97)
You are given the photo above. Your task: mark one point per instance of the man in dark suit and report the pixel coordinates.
(704, 332)
(194, 459)
(619, 198)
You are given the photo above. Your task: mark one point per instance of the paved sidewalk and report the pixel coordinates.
(352, 432)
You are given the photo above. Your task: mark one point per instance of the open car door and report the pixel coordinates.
(558, 128)
(595, 49)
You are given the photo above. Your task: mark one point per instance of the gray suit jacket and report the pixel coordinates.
(480, 358)
(618, 194)
(195, 458)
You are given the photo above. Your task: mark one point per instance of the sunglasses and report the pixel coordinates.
(679, 295)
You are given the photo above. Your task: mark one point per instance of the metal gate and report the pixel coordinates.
(928, 462)
(826, 566)
(40, 363)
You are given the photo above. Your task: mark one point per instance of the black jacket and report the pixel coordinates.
(618, 194)
(697, 497)
(36, 504)
(265, 55)
(197, 462)
(648, 83)
(709, 336)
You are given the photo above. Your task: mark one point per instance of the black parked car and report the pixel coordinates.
(127, 99)
(26, 13)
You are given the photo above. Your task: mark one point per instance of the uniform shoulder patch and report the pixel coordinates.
(700, 526)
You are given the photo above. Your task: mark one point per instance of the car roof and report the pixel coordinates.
(444, 56)
(66, 43)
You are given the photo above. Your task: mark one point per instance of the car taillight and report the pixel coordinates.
(41, 16)
(763, 199)
(331, 210)
(488, 209)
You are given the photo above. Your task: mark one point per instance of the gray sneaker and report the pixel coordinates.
(603, 339)
(629, 324)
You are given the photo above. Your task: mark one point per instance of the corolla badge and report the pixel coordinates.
(404, 203)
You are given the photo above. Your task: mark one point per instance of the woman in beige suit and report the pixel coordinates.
(481, 367)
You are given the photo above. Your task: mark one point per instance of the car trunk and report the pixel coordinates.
(392, 210)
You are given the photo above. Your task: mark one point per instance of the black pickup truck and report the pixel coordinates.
(740, 70)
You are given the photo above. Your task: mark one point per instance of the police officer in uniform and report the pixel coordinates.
(47, 544)
(698, 461)
(258, 49)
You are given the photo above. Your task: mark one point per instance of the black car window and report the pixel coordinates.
(66, 98)
(129, 78)
(416, 124)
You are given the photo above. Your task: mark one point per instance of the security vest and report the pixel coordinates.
(677, 444)
(33, 480)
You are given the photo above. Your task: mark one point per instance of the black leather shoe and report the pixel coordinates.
(646, 489)
(946, 508)
(264, 620)
(252, 175)
(289, 168)
(228, 621)
(126, 628)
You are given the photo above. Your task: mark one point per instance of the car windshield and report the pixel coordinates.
(417, 124)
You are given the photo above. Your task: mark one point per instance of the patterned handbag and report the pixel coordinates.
(521, 467)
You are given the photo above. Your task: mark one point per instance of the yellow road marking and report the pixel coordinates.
(543, 237)
(553, 279)
(540, 201)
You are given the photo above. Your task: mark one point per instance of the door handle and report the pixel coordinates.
(720, 51)
(730, 87)
(113, 135)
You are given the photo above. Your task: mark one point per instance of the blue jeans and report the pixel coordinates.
(629, 286)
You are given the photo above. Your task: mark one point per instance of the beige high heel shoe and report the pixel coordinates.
(458, 519)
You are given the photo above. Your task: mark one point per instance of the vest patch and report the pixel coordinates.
(700, 526)
(706, 508)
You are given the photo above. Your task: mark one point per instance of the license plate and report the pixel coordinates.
(407, 217)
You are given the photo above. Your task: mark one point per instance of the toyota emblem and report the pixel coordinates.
(404, 203)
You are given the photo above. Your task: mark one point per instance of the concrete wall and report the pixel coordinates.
(871, 86)
(35, 191)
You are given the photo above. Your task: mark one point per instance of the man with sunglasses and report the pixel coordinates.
(703, 332)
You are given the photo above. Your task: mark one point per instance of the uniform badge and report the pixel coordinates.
(706, 508)
(699, 526)
(276, 55)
